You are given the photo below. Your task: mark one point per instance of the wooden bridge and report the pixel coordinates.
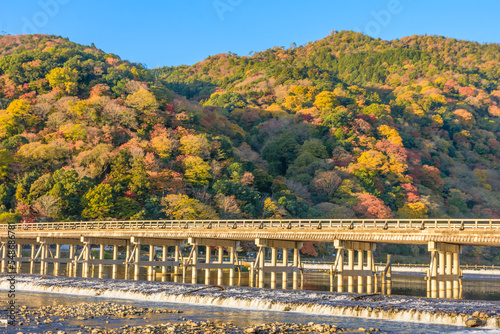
(444, 238)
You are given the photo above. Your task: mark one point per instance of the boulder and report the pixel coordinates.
(474, 322)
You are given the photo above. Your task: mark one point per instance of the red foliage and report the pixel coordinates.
(99, 90)
(467, 91)
(370, 206)
(131, 194)
(169, 107)
(29, 97)
(308, 249)
(411, 192)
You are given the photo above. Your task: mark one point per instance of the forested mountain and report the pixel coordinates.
(347, 126)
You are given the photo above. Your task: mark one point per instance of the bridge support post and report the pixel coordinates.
(273, 264)
(69, 265)
(284, 275)
(194, 267)
(19, 262)
(127, 258)
(101, 257)
(57, 257)
(296, 264)
(176, 268)
(262, 259)
(369, 265)
(252, 276)
(220, 261)
(3, 263)
(137, 258)
(232, 258)
(339, 267)
(86, 258)
(444, 274)
(164, 250)
(208, 260)
(457, 284)
(115, 266)
(43, 257)
(448, 271)
(151, 258)
(350, 272)
(360, 267)
(32, 259)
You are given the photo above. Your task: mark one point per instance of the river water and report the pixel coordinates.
(475, 287)
(240, 316)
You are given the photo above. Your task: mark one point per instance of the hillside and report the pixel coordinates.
(347, 126)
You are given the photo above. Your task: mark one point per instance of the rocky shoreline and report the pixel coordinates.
(107, 312)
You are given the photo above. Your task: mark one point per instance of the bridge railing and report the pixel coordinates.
(291, 224)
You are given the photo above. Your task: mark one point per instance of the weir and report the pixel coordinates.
(156, 245)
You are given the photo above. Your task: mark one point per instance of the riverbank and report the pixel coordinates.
(400, 308)
(61, 317)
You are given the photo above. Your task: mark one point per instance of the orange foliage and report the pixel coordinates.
(370, 206)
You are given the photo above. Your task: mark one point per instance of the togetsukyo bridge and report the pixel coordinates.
(351, 237)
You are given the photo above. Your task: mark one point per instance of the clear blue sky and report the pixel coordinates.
(165, 32)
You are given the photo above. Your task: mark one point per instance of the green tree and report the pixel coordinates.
(69, 189)
(98, 202)
(139, 180)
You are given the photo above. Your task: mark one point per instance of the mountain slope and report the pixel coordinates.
(347, 126)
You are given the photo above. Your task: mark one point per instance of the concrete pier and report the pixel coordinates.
(444, 274)
(275, 267)
(358, 269)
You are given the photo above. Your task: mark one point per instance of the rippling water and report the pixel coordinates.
(475, 287)
(242, 317)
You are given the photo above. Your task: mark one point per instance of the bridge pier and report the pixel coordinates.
(275, 267)
(3, 264)
(231, 245)
(114, 272)
(354, 269)
(56, 257)
(32, 259)
(134, 257)
(444, 274)
(69, 265)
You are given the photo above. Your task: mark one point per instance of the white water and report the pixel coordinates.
(408, 309)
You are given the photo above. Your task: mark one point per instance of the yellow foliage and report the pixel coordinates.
(391, 134)
(300, 97)
(326, 100)
(162, 146)
(5, 160)
(74, 132)
(415, 210)
(37, 152)
(195, 145)
(64, 78)
(143, 101)
(438, 120)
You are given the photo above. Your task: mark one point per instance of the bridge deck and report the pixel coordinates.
(457, 231)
